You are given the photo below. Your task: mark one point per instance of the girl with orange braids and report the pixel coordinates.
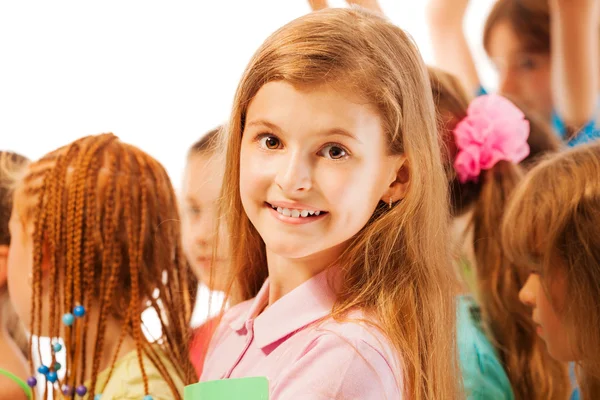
(551, 229)
(13, 338)
(500, 355)
(95, 241)
(335, 197)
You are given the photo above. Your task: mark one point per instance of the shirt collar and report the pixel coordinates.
(308, 303)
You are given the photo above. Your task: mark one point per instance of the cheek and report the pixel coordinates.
(19, 270)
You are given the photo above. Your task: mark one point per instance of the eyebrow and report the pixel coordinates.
(329, 132)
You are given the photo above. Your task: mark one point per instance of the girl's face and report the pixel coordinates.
(201, 190)
(20, 266)
(523, 76)
(314, 166)
(549, 324)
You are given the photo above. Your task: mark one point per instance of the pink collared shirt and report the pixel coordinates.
(303, 353)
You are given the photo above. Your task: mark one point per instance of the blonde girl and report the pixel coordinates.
(336, 196)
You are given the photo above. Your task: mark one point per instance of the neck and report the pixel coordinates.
(286, 274)
(12, 358)
(110, 347)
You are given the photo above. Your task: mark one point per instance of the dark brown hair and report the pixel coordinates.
(529, 19)
(207, 144)
(105, 216)
(557, 212)
(531, 371)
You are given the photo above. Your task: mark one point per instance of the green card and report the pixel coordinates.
(229, 389)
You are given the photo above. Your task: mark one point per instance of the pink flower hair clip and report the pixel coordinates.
(493, 130)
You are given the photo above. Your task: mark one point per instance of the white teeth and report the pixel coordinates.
(295, 213)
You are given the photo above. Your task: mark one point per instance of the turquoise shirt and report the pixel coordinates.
(588, 133)
(484, 377)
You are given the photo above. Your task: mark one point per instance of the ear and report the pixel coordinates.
(399, 182)
(3, 264)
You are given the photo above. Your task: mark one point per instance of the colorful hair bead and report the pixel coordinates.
(81, 390)
(57, 347)
(67, 390)
(98, 397)
(148, 397)
(42, 369)
(57, 366)
(31, 381)
(52, 377)
(68, 319)
(79, 311)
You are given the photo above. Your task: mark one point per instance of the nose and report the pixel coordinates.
(528, 292)
(294, 174)
(204, 229)
(509, 84)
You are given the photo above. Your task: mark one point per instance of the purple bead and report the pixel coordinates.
(31, 381)
(67, 390)
(81, 390)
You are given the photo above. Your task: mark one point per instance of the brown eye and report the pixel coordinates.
(334, 152)
(270, 142)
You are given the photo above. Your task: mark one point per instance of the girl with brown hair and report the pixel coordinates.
(335, 197)
(95, 241)
(551, 230)
(13, 338)
(546, 53)
(501, 357)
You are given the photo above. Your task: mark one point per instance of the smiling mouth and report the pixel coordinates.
(296, 213)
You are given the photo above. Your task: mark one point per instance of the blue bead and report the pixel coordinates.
(43, 370)
(97, 397)
(31, 381)
(79, 311)
(57, 366)
(148, 397)
(57, 347)
(68, 319)
(52, 377)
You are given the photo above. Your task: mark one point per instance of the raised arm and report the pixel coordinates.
(450, 48)
(575, 59)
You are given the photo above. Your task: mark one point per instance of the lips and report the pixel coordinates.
(291, 210)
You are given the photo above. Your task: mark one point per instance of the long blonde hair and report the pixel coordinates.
(533, 374)
(397, 267)
(556, 213)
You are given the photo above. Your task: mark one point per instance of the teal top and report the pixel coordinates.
(484, 377)
(18, 381)
(590, 132)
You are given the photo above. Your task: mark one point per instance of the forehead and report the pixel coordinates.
(323, 106)
(203, 177)
(504, 41)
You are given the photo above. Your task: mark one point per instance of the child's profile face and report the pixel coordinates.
(201, 191)
(523, 76)
(314, 166)
(549, 325)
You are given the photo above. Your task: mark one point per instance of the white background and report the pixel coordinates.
(157, 74)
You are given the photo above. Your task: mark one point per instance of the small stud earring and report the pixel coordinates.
(391, 203)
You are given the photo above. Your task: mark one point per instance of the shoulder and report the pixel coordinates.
(127, 382)
(343, 359)
(482, 370)
(11, 390)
